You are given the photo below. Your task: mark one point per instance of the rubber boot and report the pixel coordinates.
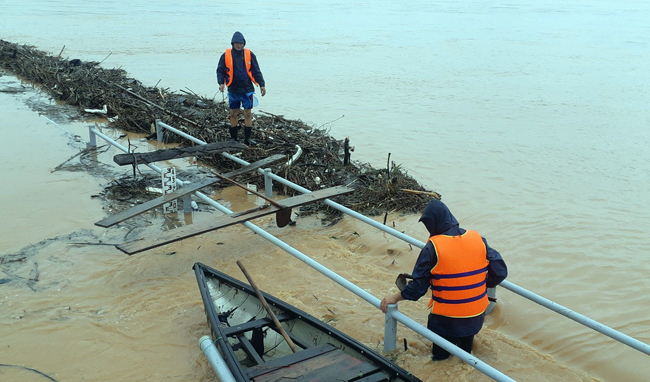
(233, 133)
(247, 136)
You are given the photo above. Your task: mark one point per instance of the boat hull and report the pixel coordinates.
(255, 351)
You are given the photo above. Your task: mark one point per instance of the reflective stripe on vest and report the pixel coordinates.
(458, 280)
(230, 67)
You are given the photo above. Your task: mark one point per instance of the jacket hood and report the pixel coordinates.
(238, 37)
(437, 218)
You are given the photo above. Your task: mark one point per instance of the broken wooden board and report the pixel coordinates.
(332, 365)
(143, 244)
(177, 152)
(146, 206)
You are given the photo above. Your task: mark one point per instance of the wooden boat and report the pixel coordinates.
(255, 351)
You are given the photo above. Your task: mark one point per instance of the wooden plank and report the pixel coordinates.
(330, 366)
(177, 152)
(249, 349)
(343, 368)
(289, 360)
(145, 243)
(301, 368)
(144, 207)
(379, 376)
(245, 327)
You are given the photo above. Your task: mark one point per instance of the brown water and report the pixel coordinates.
(96, 314)
(529, 118)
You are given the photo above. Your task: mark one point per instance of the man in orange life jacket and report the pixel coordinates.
(238, 70)
(457, 265)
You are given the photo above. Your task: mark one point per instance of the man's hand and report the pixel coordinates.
(388, 300)
(262, 90)
(221, 87)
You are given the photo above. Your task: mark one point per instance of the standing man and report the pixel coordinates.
(238, 70)
(457, 265)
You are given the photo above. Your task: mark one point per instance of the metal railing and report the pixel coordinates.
(392, 316)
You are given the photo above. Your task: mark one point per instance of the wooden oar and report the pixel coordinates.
(268, 308)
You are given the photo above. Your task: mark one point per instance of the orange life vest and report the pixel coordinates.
(230, 67)
(458, 280)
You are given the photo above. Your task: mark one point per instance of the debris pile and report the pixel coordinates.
(314, 159)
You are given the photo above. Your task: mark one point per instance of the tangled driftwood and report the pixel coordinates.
(129, 105)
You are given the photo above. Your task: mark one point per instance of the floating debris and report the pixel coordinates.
(315, 160)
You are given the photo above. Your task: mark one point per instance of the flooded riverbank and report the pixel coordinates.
(528, 118)
(76, 308)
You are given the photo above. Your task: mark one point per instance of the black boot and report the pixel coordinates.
(233, 133)
(247, 136)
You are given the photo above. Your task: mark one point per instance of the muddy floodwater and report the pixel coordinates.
(529, 118)
(79, 309)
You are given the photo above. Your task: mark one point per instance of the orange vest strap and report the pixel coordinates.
(230, 68)
(462, 274)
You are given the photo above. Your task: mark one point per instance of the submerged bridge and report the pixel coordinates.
(392, 316)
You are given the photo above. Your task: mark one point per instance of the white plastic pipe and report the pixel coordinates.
(217, 362)
(295, 156)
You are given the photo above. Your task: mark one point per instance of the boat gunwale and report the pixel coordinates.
(228, 353)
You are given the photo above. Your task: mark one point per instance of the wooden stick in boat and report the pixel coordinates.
(268, 308)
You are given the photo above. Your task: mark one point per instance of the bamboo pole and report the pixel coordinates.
(268, 308)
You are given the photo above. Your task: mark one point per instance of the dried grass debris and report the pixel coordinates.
(134, 107)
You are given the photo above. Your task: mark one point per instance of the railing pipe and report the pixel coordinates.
(175, 130)
(577, 317)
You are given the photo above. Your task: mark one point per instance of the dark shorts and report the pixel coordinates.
(239, 100)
